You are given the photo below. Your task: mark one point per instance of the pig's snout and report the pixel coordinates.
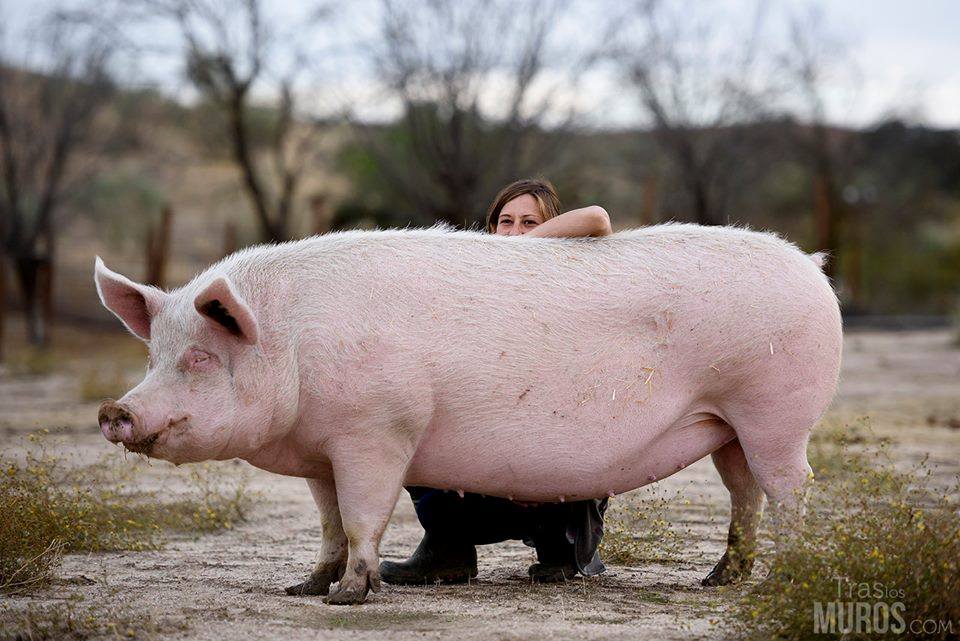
(121, 424)
(117, 422)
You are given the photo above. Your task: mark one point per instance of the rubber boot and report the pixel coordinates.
(434, 561)
(555, 562)
(552, 573)
(556, 554)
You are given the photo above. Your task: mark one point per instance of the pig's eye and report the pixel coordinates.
(199, 360)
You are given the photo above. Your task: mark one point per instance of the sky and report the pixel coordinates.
(902, 59)
(908, 53)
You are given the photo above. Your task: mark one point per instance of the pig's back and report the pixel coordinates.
(700, 295)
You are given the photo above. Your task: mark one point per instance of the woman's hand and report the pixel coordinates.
(577, 223)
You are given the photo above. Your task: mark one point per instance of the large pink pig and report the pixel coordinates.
(528, 368)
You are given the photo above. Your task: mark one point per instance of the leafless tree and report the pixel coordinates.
(49, 103)
(469, 78)
(812, 55)
(231, 49)
(697, 90)
(157, 247)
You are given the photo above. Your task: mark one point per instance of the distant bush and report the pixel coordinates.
(955, 321)
(915, 271)
(50, 507)
(32, 361)
(122, 204)
(105, 380)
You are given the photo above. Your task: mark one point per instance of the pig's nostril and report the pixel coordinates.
(106, 428)
(105, 417)
(116, 422)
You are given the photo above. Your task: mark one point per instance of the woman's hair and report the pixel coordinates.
(542, 191)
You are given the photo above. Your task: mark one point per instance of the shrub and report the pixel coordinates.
(639, 529)
(50, 507)
(872, 535)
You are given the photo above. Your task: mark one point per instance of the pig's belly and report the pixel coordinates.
(556, 461)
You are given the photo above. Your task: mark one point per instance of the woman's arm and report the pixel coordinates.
(588, 221)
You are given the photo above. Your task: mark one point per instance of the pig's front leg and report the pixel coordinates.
(368, 480)
(333, 549)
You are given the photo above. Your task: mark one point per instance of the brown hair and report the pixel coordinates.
(542, 191)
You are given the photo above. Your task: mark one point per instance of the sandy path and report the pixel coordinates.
(229, 584)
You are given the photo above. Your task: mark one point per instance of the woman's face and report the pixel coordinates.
(518, 216)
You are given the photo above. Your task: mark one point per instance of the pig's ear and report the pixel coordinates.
(223, 308)
(131, 302)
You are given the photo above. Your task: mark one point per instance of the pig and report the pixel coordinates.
(535, 369)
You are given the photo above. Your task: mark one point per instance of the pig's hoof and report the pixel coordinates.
(353, 589)
(318, 583)
(347, 595)
(313, 586)
(728, 571)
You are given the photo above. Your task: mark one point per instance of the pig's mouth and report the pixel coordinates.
(144, 446)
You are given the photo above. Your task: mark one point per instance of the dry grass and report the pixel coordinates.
(641, 530)
(51, 507)
(80, 623)
(872, 535)
(841, 450)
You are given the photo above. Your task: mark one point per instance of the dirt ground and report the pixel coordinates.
(229, 585)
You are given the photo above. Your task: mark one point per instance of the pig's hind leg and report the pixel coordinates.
(333, 549)
(774, 441)
(746, 508)
(768, 455)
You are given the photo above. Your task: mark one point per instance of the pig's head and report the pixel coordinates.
(207, 393)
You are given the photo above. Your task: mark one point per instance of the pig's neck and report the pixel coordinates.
(290, 457)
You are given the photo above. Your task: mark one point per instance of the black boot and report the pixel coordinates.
(556, 558)
(556, 561)
(434, 561)
(566, 538)
(552, 573)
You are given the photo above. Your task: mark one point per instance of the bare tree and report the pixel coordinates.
(696, 91)
(230, 49)
(47, 117)
(469, 79)
(811, 57)
(157, 247)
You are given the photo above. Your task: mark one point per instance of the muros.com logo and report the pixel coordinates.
(871, 608)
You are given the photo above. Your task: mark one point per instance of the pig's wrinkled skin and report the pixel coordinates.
(533, 369)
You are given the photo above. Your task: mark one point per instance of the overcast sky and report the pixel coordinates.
(905, 59)
(908, 52)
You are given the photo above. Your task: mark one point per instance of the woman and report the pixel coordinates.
(565, 535)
